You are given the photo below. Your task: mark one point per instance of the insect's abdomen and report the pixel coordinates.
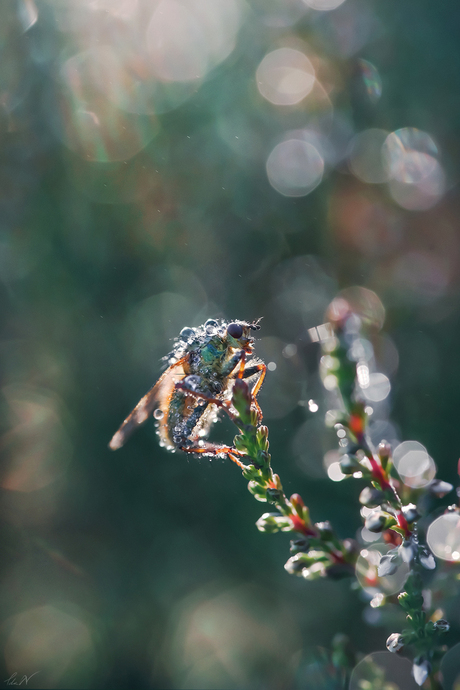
(184, 414)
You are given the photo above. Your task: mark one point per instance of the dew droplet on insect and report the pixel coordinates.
(158, 414)
(187, 333)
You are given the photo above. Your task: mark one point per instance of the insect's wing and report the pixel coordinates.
(157, 397)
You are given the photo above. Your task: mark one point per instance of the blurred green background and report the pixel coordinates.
(163, 162)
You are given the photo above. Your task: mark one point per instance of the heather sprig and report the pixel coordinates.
(389, 507)
(316, 550)
(345, 372)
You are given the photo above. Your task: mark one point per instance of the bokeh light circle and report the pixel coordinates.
(421, 196)
(443, 537)
(285, 76)
(409, 154)
(378, 387)
(186, 39)
(413, 464)
(383, 670)
(295, 168)
(90, 124)
(365, 156)
(49, 640)
(417, 178)
(323, 5)
(360, 301)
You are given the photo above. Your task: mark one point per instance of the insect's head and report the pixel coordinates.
(239, 334)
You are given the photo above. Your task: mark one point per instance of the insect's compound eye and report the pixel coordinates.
(235, 330)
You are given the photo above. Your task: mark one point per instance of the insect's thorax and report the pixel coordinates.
(209, 361)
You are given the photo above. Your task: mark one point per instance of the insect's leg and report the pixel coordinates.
(203, 396)
(261, 369)
(215, 449)
(242, 363)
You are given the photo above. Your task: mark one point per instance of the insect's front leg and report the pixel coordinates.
(259, 370)
(235, 363)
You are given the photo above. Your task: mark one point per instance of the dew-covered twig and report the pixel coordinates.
(346, 374)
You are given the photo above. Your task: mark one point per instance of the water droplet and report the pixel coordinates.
(158, 414)
(187, 333)
(192, 382)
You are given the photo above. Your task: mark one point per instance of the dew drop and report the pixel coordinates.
(158, 414)
(187, 333)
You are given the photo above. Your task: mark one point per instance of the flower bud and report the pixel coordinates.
(420, 671)
(408, 551)
(349, 546)
(371, 497)
(426, 559)
(375, 522)
(257, 491)
(273, 522)
(294, 566)
(404, 601)
(239, 442)
(349, 464)
(395, 642)
(263, 458)
(441, 625)
(314, 572)
(273, 495)
(251, 473)
(297, 504)
(254, 417)
(439, 488)
(384, 450)
(325, 530)
(410, 512)
(388, 565)
(299, 545)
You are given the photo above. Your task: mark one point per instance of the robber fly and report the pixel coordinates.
(198, 381)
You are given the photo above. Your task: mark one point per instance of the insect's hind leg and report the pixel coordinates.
(222, 404)
(215, 449)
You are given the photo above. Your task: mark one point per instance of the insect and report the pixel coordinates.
(198, 381)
